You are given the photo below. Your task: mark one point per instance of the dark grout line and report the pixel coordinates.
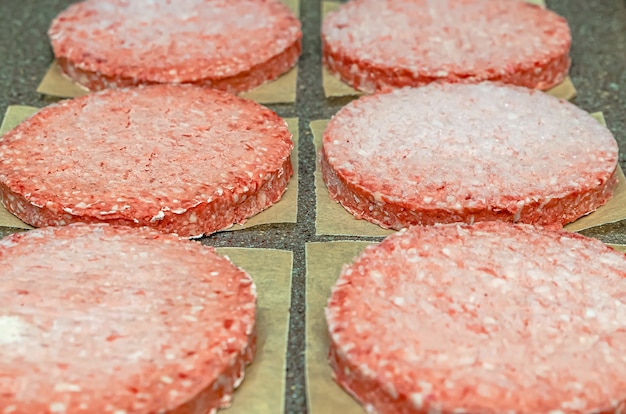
(309, 101)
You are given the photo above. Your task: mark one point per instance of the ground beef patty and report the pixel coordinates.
(104, 319)
(448, 153)
(229, 45)
(490, 318)
(381, 44)
(181, 159)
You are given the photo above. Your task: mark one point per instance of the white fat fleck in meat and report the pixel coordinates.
(159, 216)
(590, 313)
(196, 309)
(66, 387)
(12, 330)
(57, 408)
(392, 391)
(399, 301)
(417, 399)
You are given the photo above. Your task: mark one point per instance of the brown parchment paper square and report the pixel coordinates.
(323, 264)
(332, 218)
(281, 90)
(263, 388)
(285, 211)
(335, 87)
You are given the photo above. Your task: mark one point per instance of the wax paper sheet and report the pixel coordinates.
(263, 389)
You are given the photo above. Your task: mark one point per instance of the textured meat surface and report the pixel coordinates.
(104, 319)
(446, 153)
(377, 45)
(232, 45)
(490, 318)
(182, 159)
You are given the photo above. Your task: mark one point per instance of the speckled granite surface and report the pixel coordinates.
(598, 71)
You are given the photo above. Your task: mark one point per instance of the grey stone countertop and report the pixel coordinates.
(598, 72)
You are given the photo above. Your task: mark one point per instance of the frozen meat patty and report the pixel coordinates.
(382, 44)
(107, 319)
(223, 44)
(489, 318)
(178, 158)
(450, 153)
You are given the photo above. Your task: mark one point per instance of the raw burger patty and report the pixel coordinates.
(229, 45)
(448, 153)
(381, 44)
(181, 159)
(491, 318)
(106, 319)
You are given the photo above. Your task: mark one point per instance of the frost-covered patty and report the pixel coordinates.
(179, 158)
(448, 153)
(490, 318)
(104, 319)
(224, 44)
(382, 44)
